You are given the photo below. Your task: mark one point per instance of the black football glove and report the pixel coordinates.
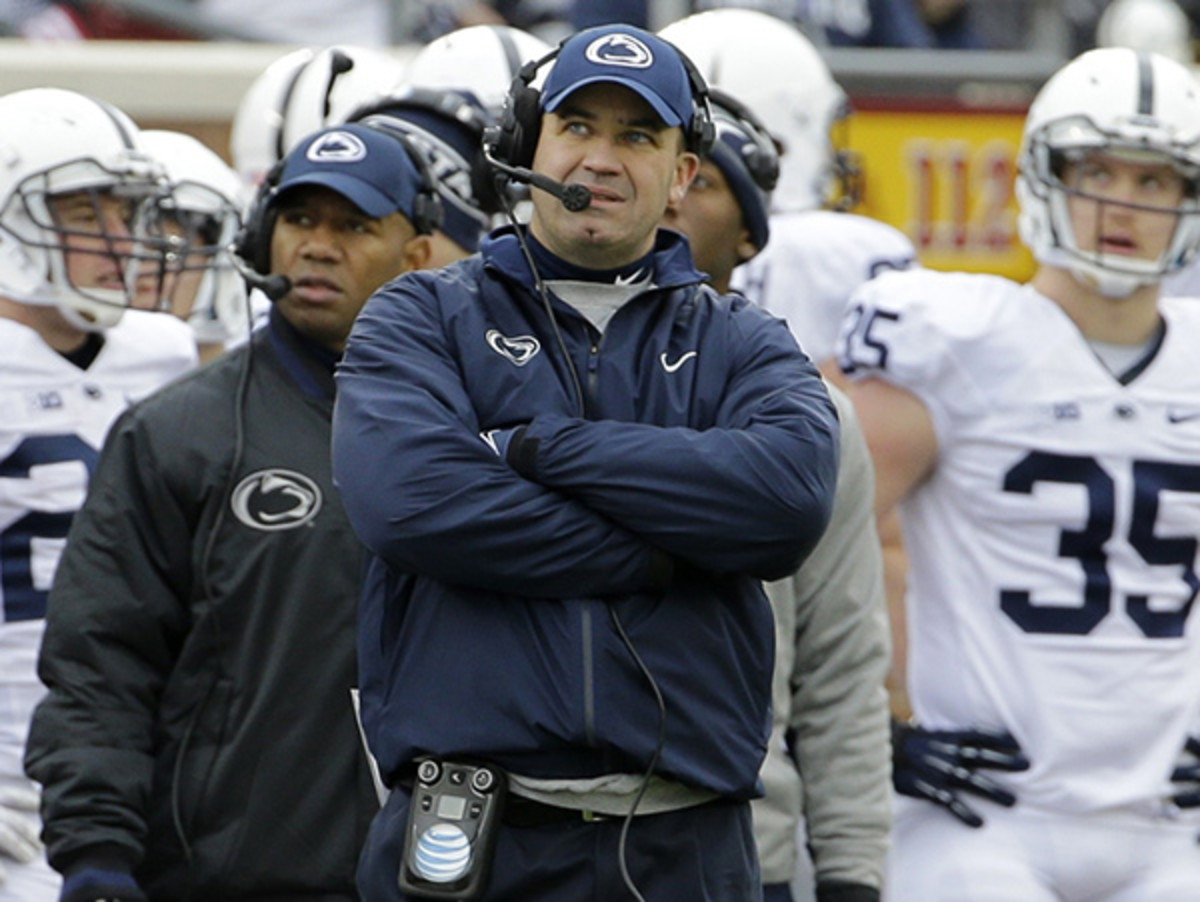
(838, 891)
(1188, 776)
(936, 764)
(100, 885)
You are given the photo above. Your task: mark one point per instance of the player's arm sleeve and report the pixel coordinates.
(428, 495)
(751, 494)
(113, 623)
(918, 330)
(838, 716)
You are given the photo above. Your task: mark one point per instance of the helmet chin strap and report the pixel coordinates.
(1092, 275)
(1108, 283)
(1088, 268)
(93, 315)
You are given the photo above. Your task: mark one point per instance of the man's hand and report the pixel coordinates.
(93, 884)
(936, 764)
(1187, 776)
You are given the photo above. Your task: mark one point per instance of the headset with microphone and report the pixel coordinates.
(252, 246)
(575, 197)
(509, 145)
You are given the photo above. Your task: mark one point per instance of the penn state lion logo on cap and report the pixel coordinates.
(337, 147)
(620, 50)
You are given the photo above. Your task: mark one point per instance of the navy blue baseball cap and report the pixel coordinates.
(628, 56)
(369, 168)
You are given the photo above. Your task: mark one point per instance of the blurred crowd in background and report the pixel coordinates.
(1064, 27)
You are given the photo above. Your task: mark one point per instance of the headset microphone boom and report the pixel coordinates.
(273, 285)
(575, 197)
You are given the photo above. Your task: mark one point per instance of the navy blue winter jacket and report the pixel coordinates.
(704, 461)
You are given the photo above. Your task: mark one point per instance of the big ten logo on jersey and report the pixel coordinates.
(945, 177)
(43, 481)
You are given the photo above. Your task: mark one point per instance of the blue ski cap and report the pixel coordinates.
(729, 153)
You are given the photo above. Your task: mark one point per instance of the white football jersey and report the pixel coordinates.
(813, 262)
(53, 420)
(1184, 282)
(1053, 551)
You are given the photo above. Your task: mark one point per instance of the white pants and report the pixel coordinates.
(1026, 855)
(20, 692)
(33, 882)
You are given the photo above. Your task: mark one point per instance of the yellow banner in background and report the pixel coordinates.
(945, 179)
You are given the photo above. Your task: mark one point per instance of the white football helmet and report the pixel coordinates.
(58, 142)
(300, 93)
(202, 212)
(1113, 100)
(482, 59)
(771, 67)
(1155, 26)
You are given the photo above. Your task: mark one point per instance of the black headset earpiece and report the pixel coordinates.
(700, 135)
(253, 241)
(428, 212)
(515, 138)
(761, 157)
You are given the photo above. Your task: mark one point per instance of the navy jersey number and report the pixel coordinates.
(1150, 480)
(860, 344)
(22, 601)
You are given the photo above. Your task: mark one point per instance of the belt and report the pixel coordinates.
(520, 811)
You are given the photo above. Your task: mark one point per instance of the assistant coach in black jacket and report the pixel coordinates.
(198, 739)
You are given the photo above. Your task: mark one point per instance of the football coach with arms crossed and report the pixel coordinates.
(573, 463)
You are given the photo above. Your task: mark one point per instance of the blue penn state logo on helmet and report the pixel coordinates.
(276, 499)
(619, 50)
(337, 147)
